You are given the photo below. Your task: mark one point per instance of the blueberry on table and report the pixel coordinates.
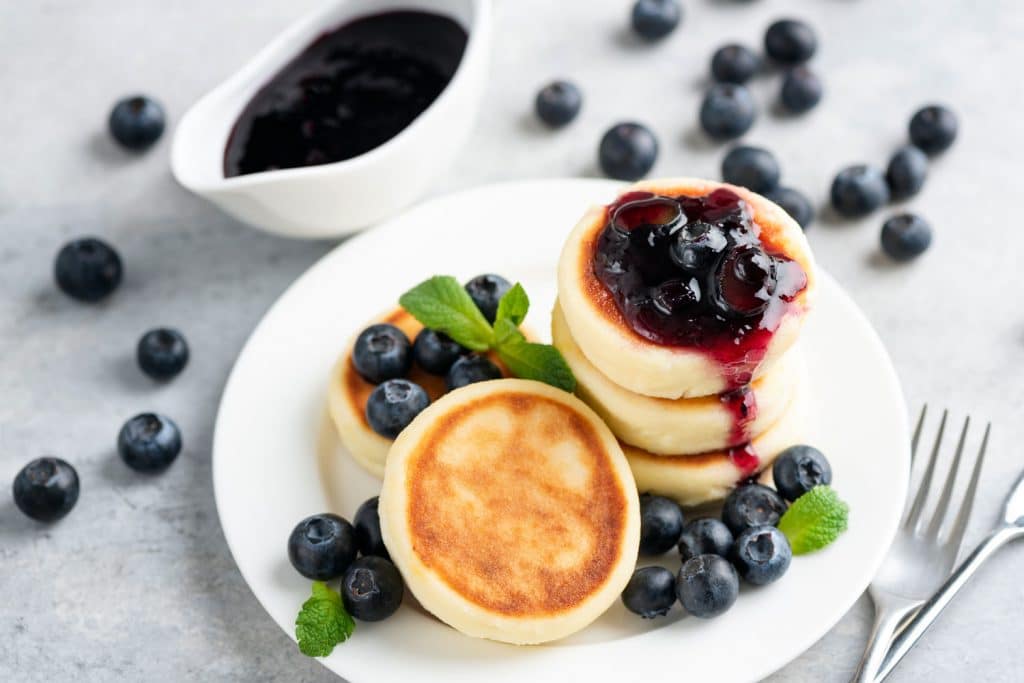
(801, 90)
(906, 236)
(707, 536)
(728, 111)
(137, 122)
(46, 489)
(798, 469)
(790, 41)
(933, 129)
(470, 370)
(858, 190)
(734, 63)
(372, 589)
(661, 523)
(752, 505)
(149, 442)
(795, 203)
(322, 547)
(906, 172)
(707, 586)
(393, 404)
(558, 103)
(435, 351)
(655, 19)
(367, 525)
(486, 291)
(754, 168)
(761, 555)
(88, 269)
(627, 151)
(382, 352)
(651, 592)
(162, 353)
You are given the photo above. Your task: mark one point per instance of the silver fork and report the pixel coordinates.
(920, 559)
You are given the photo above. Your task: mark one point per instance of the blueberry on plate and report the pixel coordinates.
(707, 586)
(754, 168)
(728, 111)
(858, 190)
(661, 523)
(798, 469)
(393, 404)
(734, 64)
(906, 236)
(790, 41)
(162, 353)
(372, 589)
(696, 247)
(486, 291)
(651, 592)
(367, 525)
(801, 90)
(707, 536)
(382, 352)
(752, 505)
(469, 370)
(627, 151)
(46, 489)
(654, 19)
(137, 122)
(933, 129)
(907, 171)
(761, 555)
(87, 269)
(322, 547)
(149, 442)
(795, 203)
(435, 351)
(558, 103)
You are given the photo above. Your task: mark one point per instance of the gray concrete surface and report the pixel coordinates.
(137, 584)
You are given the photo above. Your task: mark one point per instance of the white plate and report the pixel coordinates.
(276, 459)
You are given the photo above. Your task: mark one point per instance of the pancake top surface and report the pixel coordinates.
(515, 504)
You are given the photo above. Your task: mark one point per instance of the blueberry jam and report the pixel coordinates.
(352, 90)
(742, 406)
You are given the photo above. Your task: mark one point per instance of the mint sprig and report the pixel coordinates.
(442, 304)
(323, 622)
(814, 520)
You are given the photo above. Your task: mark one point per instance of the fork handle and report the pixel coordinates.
(891, 611)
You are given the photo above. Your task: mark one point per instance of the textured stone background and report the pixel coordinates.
(137, 584)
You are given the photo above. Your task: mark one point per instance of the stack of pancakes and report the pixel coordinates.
(686, 427)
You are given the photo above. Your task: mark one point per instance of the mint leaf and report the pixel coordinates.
(322, 622)
(540, 362)
(513, 305)
(441, 304)
(814, 520)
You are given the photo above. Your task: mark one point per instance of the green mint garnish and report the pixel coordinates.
(322, 622)
(814, 520)
(441, 304)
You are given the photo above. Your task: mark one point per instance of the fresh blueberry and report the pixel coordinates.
(372, 589)
(469, 370)
(654, 19)
(435, 351)
(801, 90)
(137, 122)
(795, 203)
(696, 247)
(367, 524)
(761, 555)
(752, 505)
(906, 236)
(46, 489)
(707, 536)
(651, 592)
(933, 129)
(162, 353)
(728, 111)
(558, 103)
(393, 404)
(661, 522)
(149, 442)
(88, 269)
(627, 151)
(798, 469)
(707, 586)
(751, 167)
(382, 352)
(486, 291)
(322, 547)
(858, 190)
(907, 171)
(790, 41)
(734, 64)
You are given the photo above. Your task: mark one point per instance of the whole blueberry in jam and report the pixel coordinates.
(728, 111)
(697, 246)
(744, 282)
